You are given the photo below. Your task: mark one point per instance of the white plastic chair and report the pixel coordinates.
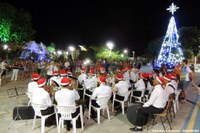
(176, 102)
(37, 109)
(104, 102)
(137, 97)
(147, 93)
(29, 94)
(66, 114)
(121, 102)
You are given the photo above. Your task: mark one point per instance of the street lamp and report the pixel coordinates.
(5, 46)
(125, 51)
(71, 48)
(59, 52)
(110, 46)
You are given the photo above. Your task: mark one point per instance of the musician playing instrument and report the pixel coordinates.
(154, 105)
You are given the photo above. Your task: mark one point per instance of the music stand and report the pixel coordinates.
(15, 92)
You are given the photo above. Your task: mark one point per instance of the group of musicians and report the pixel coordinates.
(62, 87)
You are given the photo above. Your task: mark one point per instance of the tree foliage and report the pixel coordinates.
(15, 25)
(104, 53)
(190, 40)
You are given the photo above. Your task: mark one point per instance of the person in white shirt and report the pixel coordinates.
(102, 91)
(169, 87)
(3, 70)
(140, 85)
(122, 90)
(50, 69)
(174, 80)
(67, 97)
(154, 105)
(55, 79)
(33, 84)
(42, 97)
(82, 77)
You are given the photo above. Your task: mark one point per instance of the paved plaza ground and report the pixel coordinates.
(187, 118)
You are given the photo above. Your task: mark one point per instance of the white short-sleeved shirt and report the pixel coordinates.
(140, 85)
(41, 96)
(169, 89)
(32, 86)
(66, 97)
(158, 98)
(122, 89)
(101, 91)
(82, 77)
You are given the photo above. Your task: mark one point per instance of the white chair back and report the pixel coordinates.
(66, 111)
(103, 101)
(37, 108)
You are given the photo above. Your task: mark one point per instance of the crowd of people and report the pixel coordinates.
(58, 83)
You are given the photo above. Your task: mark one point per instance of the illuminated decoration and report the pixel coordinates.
(171, 53)
(32, 47)
(82, 48)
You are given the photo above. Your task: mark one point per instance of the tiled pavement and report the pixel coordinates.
(187, 118)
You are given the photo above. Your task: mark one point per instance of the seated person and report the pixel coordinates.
(154, 105)
(122, 90)
(102, 91)
(42, 97)
(68, 96)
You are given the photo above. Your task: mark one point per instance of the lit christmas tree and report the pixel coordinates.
(171, 53)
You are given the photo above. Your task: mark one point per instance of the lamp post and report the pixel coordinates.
(71, 48)
(110, 46)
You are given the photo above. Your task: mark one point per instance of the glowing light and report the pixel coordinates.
(59, 52)
(125, 51)
(110, 46)
(5, 46)
(33, 47)
(172, 8)
(71, 48)
(171, 52)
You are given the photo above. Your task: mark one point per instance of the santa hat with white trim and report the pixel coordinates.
(41, 82)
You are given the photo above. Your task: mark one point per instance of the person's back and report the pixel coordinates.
(102, 91)
(66, 97)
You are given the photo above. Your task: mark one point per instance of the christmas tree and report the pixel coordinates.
(171, 53)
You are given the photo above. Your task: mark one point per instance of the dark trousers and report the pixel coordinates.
(144, 112)
(78, 122)
(120, 98)
(52, 119)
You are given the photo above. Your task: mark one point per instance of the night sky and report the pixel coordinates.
(129, 24)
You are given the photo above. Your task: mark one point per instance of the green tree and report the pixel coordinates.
(15, 25)
(190, 40)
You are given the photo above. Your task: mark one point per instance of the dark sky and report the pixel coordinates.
(129, 24)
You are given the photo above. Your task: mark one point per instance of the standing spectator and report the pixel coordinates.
(50, 69)
(3, 70)
(15, 68)
(185, 77)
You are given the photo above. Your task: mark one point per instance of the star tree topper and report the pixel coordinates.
(172, 8)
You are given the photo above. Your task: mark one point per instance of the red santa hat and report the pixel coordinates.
(35, 76)
(167, 77)
(119, 77)
(41, 82)
(102, 79)
(82, 70)
(150, 75)
(65, 81)
(63, 72)
(161, 80)
(55, 73)
(144, 75)
(92, 71)
(173, 75)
